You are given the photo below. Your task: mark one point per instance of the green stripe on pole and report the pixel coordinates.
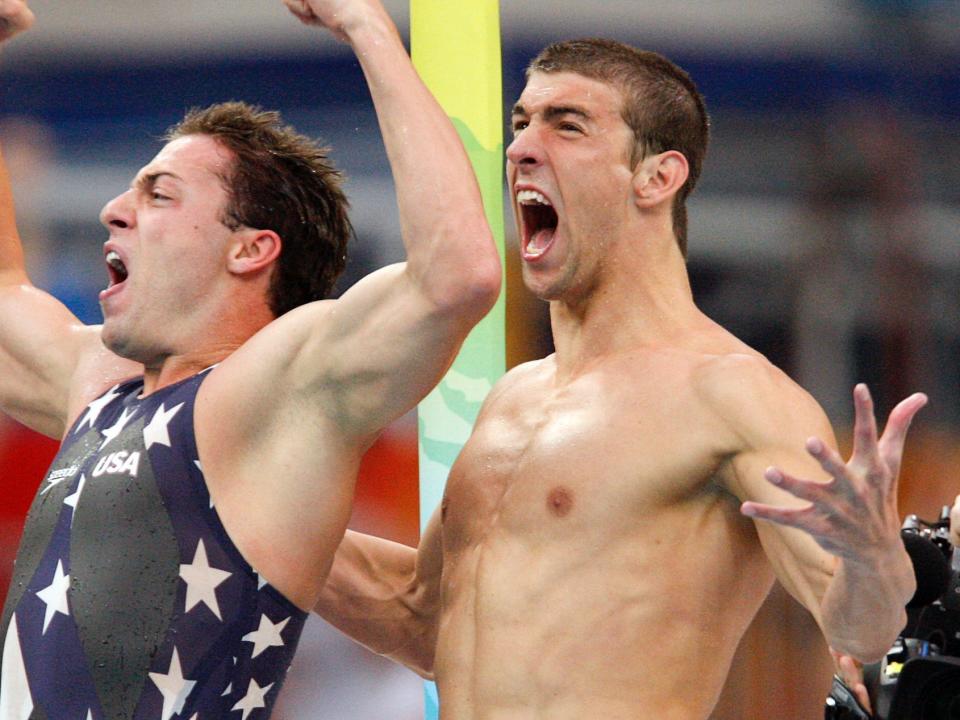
(456, 49)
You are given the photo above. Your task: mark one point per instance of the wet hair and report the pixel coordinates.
(661, 104)
(282, 181)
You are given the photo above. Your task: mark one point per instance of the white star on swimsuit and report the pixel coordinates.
(94, 408)
(111, 432)
(72, 500)
(54, 596)
(155, 433)
(174, 687)
(16, 703)
(266, 636)
(202, 581)
(253, 699)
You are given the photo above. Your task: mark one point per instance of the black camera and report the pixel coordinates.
(919, 678)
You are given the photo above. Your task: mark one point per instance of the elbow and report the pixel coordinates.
(486, 282)
(421, 662)
(472, 290)
(485, 278)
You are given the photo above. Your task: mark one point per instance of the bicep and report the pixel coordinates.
(800, 564)
(379, 350)
(330, 375)
(774, 434)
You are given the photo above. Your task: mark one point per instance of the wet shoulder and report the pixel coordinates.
(753, 396)
(518, 383)
(526, 376)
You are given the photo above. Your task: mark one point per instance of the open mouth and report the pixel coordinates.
(539, 222)
(116, 268)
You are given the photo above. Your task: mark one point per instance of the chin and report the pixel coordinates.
(546, 288)
(120, 343)
(117, 345)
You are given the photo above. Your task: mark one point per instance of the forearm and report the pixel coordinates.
(450, 249)
(15, 17)
(374, 595)
(12, 267)
(863, 609)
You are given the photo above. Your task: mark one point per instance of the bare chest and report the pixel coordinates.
(590, 458)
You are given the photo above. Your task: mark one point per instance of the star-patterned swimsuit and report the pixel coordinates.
(129, 600)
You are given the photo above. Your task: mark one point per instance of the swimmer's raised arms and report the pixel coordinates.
(226, 392)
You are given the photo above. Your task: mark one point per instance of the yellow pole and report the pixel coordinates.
(455, 46)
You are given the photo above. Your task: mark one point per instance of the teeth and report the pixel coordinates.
(117, 266)
(531, 197)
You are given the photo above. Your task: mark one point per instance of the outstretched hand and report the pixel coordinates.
(856, 510)
(15, 17)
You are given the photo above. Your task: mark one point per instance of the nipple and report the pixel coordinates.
(560, 501)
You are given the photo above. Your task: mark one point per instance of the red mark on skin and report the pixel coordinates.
(560, 501)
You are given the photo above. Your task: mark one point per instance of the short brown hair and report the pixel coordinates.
(662, 106)
(283, 181)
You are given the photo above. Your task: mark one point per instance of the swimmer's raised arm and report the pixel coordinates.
(386, 596)
(315, 386)
(51, 364)
(846, 564)
(377, 350)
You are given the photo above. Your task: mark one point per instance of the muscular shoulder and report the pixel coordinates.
(257, 374)
(526, 376)
(756, 399)
(516, 385)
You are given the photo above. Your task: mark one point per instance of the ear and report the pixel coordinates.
(659, 177)
(252, 250)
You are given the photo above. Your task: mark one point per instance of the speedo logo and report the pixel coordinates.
(58, 476)
(117, 463)
(62, 473)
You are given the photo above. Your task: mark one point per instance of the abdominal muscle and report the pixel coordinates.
(601, 625)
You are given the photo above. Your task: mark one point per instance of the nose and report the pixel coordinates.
(119, 213)
(525, 150)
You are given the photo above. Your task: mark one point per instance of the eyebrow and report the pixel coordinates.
(147, 181)
(552, 112)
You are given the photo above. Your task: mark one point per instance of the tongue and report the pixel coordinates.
(540, 241)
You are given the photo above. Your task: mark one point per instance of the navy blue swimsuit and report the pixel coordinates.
(128, 599)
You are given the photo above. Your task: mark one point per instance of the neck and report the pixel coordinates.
(207, 344)
(640, 300)
(175, 368)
